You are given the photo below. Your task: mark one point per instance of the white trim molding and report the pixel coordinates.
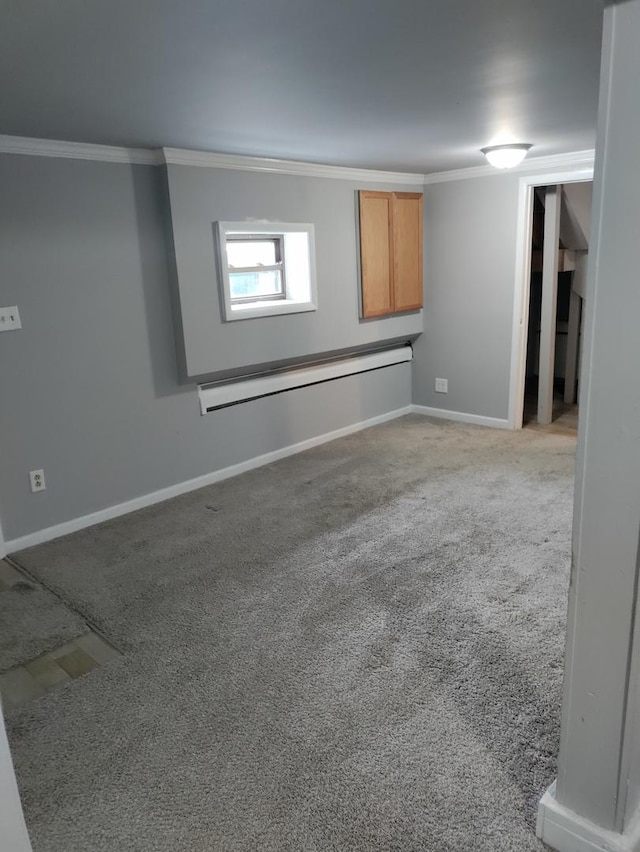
(186, 157)
(572, 160)
(111, 512)
(567, 831)
(461, 417)
(78, 151)
(209, 159)
(297, 269)
(522, 278)
(216, 396)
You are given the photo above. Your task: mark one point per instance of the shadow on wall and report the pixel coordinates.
(153, 222)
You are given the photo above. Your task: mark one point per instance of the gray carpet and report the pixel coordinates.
(32, 622)
(357, 648)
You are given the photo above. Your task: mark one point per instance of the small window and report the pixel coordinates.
(266, 269)
(256, 268)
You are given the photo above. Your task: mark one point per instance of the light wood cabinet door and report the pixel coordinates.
(390, 252)
(376, 258)
(407, 251)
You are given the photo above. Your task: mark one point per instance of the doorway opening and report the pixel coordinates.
(556, 371)
(553, 245)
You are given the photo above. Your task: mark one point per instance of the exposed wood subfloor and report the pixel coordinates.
(32, 678)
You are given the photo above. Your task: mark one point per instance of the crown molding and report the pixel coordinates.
(78, 150)
(184, 157)
(584, 159)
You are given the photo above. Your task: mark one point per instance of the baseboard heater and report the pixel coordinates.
(213, 397)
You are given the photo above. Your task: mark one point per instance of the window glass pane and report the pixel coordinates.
(251, 252)
(256, 284)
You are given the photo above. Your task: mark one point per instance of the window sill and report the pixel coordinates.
(250, 310)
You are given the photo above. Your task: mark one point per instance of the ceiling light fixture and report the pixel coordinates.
(505, 156)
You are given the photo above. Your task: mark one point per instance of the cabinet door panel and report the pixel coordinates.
(407, 251)
(376, 257)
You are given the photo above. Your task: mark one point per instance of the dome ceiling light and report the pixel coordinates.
(506, 156)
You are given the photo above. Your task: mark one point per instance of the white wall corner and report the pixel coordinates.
(14, 830)
(566, 831)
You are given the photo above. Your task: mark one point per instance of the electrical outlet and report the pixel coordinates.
(36, 478)
(442, 386)
(9, 319)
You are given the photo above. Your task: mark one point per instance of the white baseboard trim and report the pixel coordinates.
(566, 831)
(49, 533)
(461, 417)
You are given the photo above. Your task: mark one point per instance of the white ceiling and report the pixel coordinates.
(412, 85)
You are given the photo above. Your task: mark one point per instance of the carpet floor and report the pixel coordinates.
(356, 648)
(32, 622)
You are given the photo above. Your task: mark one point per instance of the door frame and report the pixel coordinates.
(522, 280)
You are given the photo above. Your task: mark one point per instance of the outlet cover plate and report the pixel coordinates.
(10, 319)
(442, 386)
(37, 481)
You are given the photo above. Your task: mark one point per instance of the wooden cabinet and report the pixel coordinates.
(390, 252)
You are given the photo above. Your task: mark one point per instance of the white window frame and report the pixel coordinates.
(279, 266)
(299, 276)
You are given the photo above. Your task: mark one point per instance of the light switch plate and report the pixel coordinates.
(10, 319)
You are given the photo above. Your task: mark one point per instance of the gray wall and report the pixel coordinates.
(200, 196)
(470, 244)
(470, 262)
(599, 762)
(90, 388)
